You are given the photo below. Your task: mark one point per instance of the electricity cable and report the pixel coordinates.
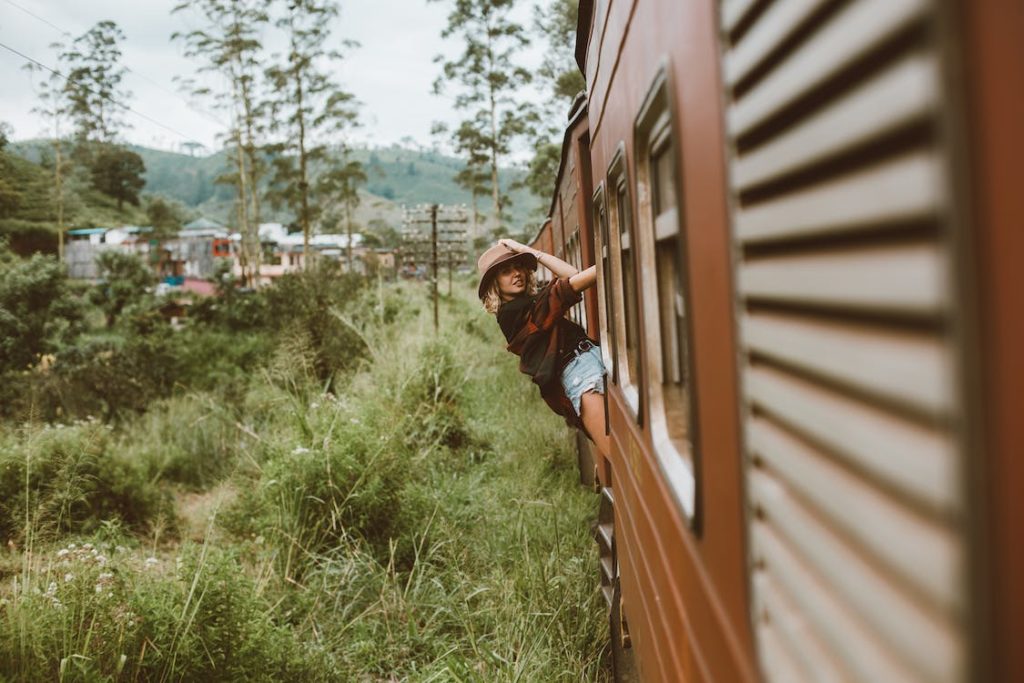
(187, 138)
(64, 32)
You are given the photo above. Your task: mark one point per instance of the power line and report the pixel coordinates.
(110, 99)
(130, 70)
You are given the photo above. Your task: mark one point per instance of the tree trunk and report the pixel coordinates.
(303, 183)
(243, 212)
(348, 224)
(256, 257)
(59, 181)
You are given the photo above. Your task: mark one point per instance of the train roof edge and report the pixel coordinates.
(586, 16)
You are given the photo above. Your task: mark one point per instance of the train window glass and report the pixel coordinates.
(664, 292)
(605, 298)
(629, 275)
(625, 284)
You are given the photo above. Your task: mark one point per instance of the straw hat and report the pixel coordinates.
(494, 257)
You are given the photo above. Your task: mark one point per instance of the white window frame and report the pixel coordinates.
(618, 176)
(655, 123)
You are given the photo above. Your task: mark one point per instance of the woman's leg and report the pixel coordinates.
(592, 414)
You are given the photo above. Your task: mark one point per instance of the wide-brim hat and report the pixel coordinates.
(493, 258)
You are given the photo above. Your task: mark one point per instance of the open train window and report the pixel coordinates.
(604, 290)
(628, 304)
(665, 294)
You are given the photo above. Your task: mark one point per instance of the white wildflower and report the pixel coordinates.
(69, 577)
(63, 552)
(87, 546)
(299, 450)
(150, 561)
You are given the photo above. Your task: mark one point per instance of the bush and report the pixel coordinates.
(71, 478)
(431, 399)
(190, 440)
(106, 613)
(318, 302)
(37, 309)
(310, 500)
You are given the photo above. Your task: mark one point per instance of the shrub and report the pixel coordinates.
(70, 478)
(309, 500)
(37, 309)
(105, 613)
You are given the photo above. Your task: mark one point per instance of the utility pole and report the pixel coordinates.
(433, 258)
(450, 240)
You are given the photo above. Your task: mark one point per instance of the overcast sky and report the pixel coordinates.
(391, 73)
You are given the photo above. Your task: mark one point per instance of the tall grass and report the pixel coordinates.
(417, 519)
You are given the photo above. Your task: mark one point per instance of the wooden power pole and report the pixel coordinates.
(421, 247)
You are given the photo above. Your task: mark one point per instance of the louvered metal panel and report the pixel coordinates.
(844, 277)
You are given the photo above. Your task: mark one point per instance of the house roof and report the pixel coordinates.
(203, 223)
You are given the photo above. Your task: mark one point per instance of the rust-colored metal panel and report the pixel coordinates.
(683, 576)
(994, 74)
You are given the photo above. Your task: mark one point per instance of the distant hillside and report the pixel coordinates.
(31, 224)
(396, 176)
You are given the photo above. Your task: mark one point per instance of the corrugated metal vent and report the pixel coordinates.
(842, 234)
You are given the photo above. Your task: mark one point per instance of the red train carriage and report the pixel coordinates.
(807, 235)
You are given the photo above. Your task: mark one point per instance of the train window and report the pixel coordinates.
(604, 292)
(665, 294)
(628, 322)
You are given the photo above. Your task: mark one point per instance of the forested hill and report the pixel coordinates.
(395, 175)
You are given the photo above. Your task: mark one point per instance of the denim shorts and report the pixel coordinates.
(583, 373)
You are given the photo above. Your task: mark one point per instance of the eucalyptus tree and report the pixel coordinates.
(471, 144)
(93, 86)
(340, 183)
(53, 109)
(487, 80)
(310, 109)
(560, 77)
(229, 44)
(556, 25)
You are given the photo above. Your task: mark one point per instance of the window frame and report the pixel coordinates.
(605, 280)
(657, 124)
(632, 387)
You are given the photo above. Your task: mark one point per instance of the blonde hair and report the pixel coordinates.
(492, 297)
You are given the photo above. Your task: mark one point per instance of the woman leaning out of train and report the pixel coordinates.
(553, 350)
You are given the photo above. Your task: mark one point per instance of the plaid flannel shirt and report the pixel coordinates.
(535, 328)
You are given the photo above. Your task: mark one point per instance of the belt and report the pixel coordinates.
(581, 348)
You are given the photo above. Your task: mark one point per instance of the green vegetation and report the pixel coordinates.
(303, 483)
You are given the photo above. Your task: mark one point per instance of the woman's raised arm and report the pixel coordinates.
(556, 265)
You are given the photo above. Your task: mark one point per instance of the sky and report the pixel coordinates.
(391, 73)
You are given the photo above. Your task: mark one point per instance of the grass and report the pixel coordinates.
(423, 523)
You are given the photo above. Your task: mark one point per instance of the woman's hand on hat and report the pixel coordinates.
(515, 246)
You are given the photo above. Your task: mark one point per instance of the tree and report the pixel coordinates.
(165, 219)
(488, 80)
(124, 281)
(309, 105)
(117, 172)
(563, 81)
(558, 71)
(341, 184)
(10, 195)
(54, 107)
(93, 87)
(471, 143)
(230, 45)
(37, 309)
